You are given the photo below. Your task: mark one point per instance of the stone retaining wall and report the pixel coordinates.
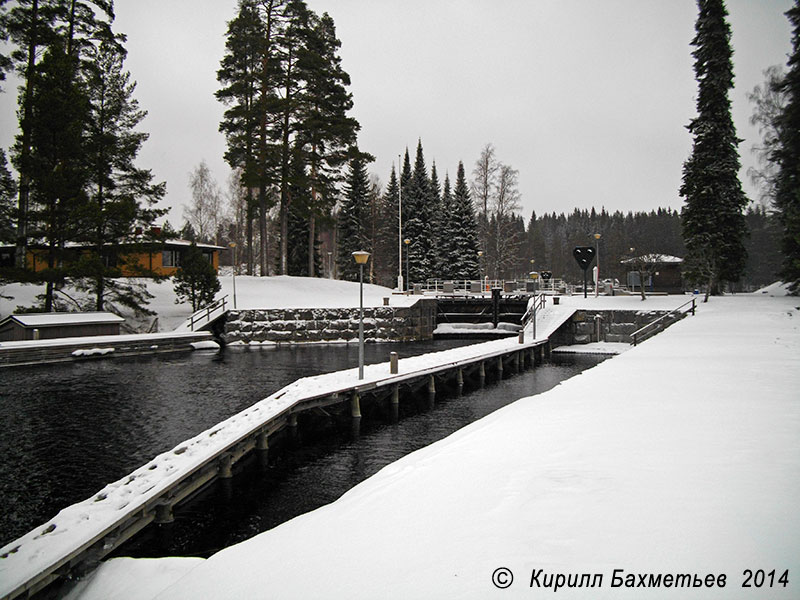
(384, 323)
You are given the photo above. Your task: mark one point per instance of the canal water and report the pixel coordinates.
(69, 429)
(312, 475)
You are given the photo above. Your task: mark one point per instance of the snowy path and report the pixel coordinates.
(682, 455)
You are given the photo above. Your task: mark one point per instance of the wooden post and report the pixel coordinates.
(355, 405)
(431, 391)
(499, 368)
(482, 373)
(164, 514)
(459, 380)
(225, 466)
(395, 403)
(393, 363)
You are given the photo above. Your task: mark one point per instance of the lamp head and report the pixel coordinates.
(361, 257)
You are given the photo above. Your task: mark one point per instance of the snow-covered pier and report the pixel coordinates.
(82, 534)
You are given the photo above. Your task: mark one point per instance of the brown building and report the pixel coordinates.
(162, 258)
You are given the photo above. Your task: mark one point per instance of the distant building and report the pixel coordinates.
(664, 273)
(139, 260)
(45, 326)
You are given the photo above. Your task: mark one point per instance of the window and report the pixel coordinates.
(170, 258)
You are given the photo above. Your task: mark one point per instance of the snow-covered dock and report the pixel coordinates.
(87, 531)
(35, 352)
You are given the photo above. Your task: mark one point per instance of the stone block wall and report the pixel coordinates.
(384, 323)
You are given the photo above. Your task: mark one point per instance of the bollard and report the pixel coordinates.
(556, 300)
(386, 301)
(393, 363)
(35, 334)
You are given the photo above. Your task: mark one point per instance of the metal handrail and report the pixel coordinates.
(693, 310)
(206, 311)
(539, 302)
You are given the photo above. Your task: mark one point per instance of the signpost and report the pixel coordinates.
(584, 256)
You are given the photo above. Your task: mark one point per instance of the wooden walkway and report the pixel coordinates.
(82, 534)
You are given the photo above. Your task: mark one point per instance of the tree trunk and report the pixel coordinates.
(25, 152)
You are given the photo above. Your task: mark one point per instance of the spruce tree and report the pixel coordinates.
(352, 219)
(463, 230)
(387, 247)
(418, 224)
(713, 221)
(8, 190)
(787, 157)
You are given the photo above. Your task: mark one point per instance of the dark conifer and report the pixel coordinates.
(713, 223)
(787, 157)
(353, 215)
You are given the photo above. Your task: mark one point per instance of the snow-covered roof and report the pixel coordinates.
(654, 258)
(54, 319)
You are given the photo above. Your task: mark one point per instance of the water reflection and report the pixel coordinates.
(314, 475)
(71, 428)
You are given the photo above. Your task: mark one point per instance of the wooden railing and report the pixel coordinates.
(654, 327)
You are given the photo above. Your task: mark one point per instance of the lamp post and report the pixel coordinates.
(361, 259)
(532, 277)
(233, 271)
(408, 272)
(597, 266)
(480, 269)
(399, 226)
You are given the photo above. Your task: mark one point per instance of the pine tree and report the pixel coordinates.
(121, 196)
(353, 214)
(245, 93)
(787, 157)
(325, 132)
(57, 166)
(713, 223)
(387, 248)
(196, 280)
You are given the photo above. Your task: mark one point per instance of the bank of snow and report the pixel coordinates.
(251, 292)
(682, 455)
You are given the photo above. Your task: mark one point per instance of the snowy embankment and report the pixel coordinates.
(681, 456)
(251, 292)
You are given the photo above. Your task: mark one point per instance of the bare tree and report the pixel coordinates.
(505, 204)
(484, 178)
(205, 212)
(769, 101)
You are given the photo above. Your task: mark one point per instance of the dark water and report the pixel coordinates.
(310, 476)
(69, 429)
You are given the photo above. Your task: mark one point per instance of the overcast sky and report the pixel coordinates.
(587, 99)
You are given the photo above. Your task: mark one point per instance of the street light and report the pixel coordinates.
(399, 226)
(361, 259)
(480, 269)
(408, 272)
(597, 266)
(233, 272)
(532, 277)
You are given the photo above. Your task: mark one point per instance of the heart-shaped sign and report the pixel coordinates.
(584, 255)
(546, 275)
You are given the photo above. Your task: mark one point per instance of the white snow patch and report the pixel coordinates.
(93, 352)
(205, 345)
(680, 456)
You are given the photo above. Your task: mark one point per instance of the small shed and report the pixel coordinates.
(31, 326)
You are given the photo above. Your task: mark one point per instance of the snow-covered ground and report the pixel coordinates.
(251, 292)
(680, 456)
